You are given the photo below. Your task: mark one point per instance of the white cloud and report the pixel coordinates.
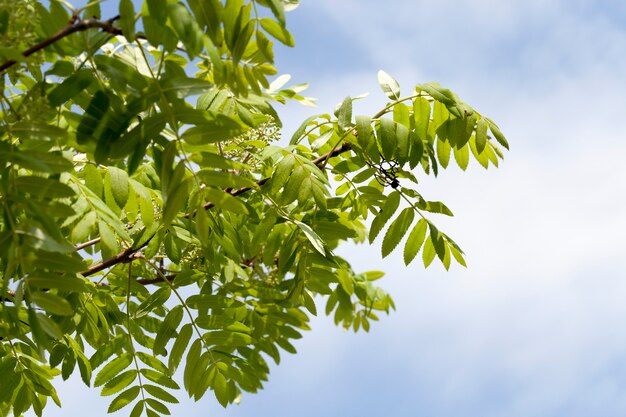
(532, 327)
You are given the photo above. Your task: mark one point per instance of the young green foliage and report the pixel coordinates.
(150, 217)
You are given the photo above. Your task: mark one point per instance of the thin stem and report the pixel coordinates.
(87, 244)
(127, 254)
(128, 323)
(182, 303)
(392, 104)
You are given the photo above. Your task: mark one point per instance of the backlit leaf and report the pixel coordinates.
(113, 368)
(414, 241)
(397, 230)
(124, 399)
(389, 85)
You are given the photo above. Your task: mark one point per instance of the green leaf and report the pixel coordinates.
(157, 9)
(387, 136)
(93, 180)
(119, 382)
(310, 234)
(458, 255)
(294, 184)
(462, 157)
(299, 132)
(44, 188)
(160, 393)
(137, 409)
(84, 227)
(123, 399)
(50, 327)
(344, 114)
(93, 117)
(481, 135)
(167, 330)
(176, 200)
(322, 139)
(438, 241)
(277, 32)
(119, 185)
(402, 143)
(439, 93)
(225, 201)
(428, 253)
(158, 406)
(47, 280)
(414, 241)
(159, 378)
(56, 261)
(53, 304)
(127, 19)
(193, 366)
(113, 368)
(390, 207)
(157, 299)
(497, 134)
(389, 85)
(152, 362)
(364, 130)
(443, 152)
(182, 87)
(179, 347)
(38, 131)
(282, 172)
(224, 179)
(220, 386)
(421, 114)
(435, 207)
(397, 230)
(278, 9)
(186, 28)
(48, 162)
(71, 87)
(107, 238)
(213, 127)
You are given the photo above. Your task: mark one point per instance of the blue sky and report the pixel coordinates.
(533, 327)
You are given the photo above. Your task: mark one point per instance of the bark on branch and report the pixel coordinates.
(73, 26)
(128, 254)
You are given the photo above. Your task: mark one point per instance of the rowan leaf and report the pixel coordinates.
(389, 85)
(397, 230)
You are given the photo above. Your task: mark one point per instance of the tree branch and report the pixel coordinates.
(72, 27)
(122, 257)
(318, 161)
(87, 244)
(127, 254)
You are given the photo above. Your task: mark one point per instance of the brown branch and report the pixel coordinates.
(124, 256)
(318, 161)
(128, 254)
(149, 281)
(72, 27)
(87, 244)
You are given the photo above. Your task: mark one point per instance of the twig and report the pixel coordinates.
(127, 254)
(87, 244)
(72, 27)
(318, 161)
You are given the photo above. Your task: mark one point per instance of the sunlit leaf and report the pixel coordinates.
(389, 85)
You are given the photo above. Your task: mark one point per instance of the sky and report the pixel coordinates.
(533, 327)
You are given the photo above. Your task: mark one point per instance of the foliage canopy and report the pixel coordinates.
(150, 219)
